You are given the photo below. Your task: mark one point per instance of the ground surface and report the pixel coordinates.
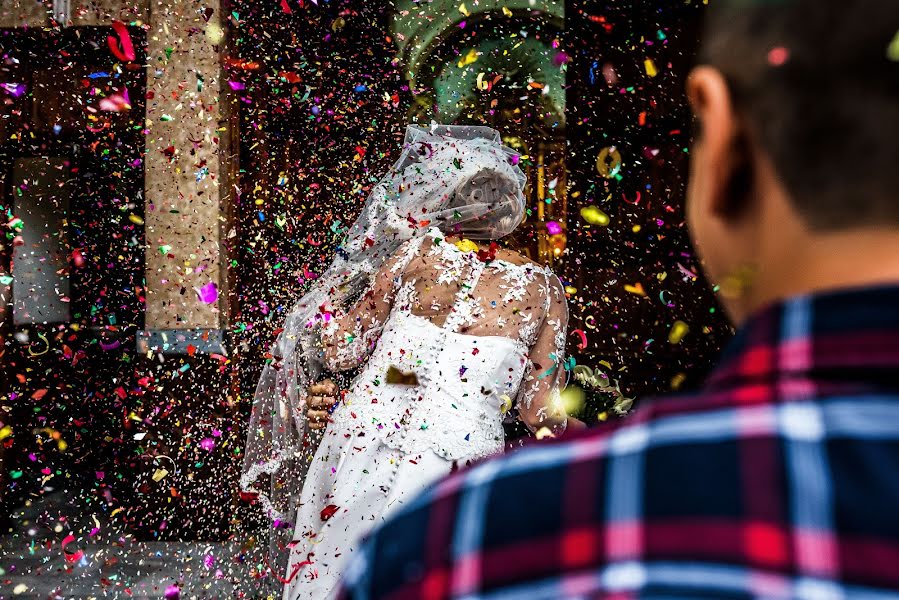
(33, 563)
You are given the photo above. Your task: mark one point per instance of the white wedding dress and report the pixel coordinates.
(449, 344)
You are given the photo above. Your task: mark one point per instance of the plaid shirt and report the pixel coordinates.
(780, 479)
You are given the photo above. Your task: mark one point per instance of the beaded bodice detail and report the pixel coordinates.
(452, 355)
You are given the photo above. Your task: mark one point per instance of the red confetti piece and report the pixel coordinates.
(583, 336)
(778, 56)
(71, 557)
(329, 511)
(126, 52)
(293, 573)
(249, 497)
(635, 201)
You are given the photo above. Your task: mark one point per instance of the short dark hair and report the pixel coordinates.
(818, 83)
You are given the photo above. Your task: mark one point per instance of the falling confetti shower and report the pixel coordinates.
(174, 176)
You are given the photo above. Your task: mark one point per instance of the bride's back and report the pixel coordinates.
(504, 294)
(439, 311)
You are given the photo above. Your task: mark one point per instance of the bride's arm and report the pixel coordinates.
(539, 402)
(349, 336)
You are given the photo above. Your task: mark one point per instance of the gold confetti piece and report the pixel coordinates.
(637, 288)
(5, 432)
(678, 330)
(135, 219)
(470, 57)
(159, 474)
(507, 12)
(608, 163)
(594, 216)
(650, 67)
(464, 10)
(466, 245)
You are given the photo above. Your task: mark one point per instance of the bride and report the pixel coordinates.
(450, 333)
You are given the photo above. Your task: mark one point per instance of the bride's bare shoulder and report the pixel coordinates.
(516, 258)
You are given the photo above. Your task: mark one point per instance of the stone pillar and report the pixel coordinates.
(184, 191)
(103, 12)
(38, 13)
(186, 266)
(23, 13)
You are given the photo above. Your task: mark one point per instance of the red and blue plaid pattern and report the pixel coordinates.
(780, 479)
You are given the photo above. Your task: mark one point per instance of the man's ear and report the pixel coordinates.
(725, 154)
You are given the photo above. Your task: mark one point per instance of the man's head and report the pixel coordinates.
(797, 103)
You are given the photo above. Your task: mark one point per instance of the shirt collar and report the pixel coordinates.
(848, 337)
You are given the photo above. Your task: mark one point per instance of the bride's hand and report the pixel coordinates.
(575, 424)
(322, 398)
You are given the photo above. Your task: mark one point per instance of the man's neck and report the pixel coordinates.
(823, 262)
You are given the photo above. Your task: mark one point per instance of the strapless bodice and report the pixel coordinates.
(465, 383)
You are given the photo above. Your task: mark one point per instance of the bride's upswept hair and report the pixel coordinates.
(499, 193)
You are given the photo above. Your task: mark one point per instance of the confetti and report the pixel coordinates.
(608, 162)
(553, 228)
(636, 288)
(678, 331)
(778, 56)
(122, 48)
(583, 336)
(594, 216)
(209, 293)
(893, 48)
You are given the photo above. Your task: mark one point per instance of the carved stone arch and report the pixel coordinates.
(516, 85)
(417, 24)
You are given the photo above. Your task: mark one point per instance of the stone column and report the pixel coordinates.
(184, 190)
(23, 13)
(101, 12)
(38, 13)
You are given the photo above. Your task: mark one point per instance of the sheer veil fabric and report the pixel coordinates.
(459, 179)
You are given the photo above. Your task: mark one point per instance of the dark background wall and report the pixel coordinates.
(635, 277)
(68, 387)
